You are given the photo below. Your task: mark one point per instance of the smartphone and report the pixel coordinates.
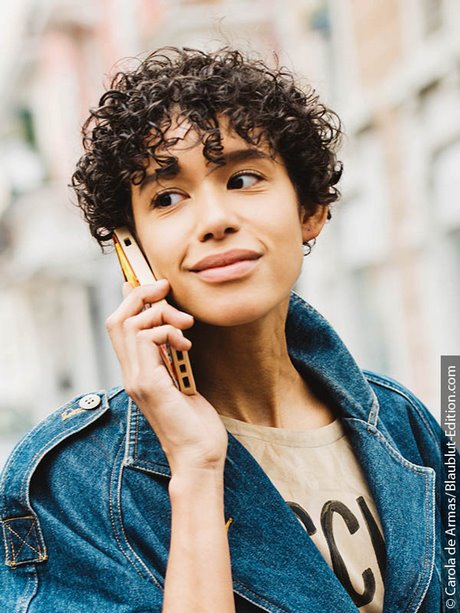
(137, 271)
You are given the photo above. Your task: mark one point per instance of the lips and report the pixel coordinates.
(224, 259)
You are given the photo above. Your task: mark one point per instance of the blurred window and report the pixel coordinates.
(27, 124)
(364, 218)
(431, 15)
(319, 19)
(445, 235)
(446, 185)
(368, 318)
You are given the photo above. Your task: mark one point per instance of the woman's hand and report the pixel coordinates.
(198, 574)
(190, 431)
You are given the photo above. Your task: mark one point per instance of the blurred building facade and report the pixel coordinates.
(385, 272)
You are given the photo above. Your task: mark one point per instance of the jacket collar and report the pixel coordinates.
(273, 559)
(319, 354)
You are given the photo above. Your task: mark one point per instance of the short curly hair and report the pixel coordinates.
(129, 126)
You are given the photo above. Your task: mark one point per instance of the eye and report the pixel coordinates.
(167, 199)
(244, 180)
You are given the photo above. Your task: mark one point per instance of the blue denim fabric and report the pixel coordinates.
(86, 515)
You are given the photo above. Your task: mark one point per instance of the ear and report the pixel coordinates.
(312, 223)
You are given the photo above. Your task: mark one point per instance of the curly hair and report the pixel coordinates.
(129, 127)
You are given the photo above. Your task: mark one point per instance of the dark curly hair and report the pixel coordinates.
(129, 127)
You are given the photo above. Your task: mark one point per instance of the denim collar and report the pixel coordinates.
(319, 354)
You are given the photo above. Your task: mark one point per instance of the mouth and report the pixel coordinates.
(226, 266)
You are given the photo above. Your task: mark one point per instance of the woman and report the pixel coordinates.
(321, 498)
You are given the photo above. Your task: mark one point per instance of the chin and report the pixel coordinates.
(233, 320)
(237, 310)
(234, 304)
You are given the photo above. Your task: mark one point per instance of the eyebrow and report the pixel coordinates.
(239, 155)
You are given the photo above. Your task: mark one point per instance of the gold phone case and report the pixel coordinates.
(137, 272)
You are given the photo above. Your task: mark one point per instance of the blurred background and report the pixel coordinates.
(386, 270)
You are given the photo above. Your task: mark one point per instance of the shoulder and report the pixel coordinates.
(85, 422)
(60, 508)
(405, 417)
(77, 415)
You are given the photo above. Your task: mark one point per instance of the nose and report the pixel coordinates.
(216, 217)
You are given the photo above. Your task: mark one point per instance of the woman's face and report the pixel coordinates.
(229, 238)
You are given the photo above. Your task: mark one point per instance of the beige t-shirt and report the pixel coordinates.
(318, 475)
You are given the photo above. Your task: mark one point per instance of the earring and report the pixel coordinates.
(308, 246)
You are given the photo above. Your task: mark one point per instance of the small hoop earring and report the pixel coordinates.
(308, 246)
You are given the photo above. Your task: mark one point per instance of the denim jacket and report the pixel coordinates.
(86, 515)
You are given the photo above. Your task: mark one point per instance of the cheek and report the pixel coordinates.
(156, 262)
(159, 248)
(286, 230)
(167, 241)
(288, 248)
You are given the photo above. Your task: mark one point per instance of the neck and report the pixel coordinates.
(246, 373)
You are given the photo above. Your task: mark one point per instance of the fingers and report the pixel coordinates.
(153, 296)
(142, 359)
(136, 298)
(162, 335)
(159, 314)
(142, 322)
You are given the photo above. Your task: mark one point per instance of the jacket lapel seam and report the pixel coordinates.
(116, 518)
(422, 582)
(429, 559)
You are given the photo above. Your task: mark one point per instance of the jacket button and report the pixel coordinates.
(90, 401)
